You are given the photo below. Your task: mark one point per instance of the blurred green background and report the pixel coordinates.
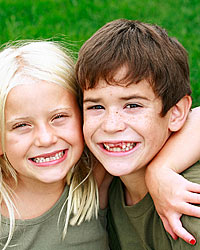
(76, 20)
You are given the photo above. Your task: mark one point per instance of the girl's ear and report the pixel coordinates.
(179, 113)
(1, 150)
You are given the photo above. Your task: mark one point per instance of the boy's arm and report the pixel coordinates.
(172, 194)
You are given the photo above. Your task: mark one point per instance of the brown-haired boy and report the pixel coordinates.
(136, 87)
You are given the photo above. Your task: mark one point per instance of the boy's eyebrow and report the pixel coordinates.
(135, 97)
(125, 98)
(90, 99)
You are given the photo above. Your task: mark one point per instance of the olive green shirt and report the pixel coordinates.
(43, 233)
(139, 227)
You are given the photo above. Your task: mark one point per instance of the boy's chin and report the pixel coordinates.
(118, 171)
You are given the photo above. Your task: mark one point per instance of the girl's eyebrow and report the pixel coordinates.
(22, 118)
(17, 119)
(61, 109)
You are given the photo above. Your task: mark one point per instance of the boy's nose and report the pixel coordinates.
(45, 137)
(113, 122)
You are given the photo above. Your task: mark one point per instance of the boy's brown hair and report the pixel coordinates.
(148, 54)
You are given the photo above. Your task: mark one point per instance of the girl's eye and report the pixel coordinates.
(59, 116)
(133, 105)
(96, 107)
(20, 125)
(59, 119)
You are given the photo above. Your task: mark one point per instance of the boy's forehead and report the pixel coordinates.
(140, 90)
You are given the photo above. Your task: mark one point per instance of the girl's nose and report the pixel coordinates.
(45, 136)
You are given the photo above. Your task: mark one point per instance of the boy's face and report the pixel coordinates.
(122, 125)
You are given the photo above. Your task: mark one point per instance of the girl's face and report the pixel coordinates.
(43, 130)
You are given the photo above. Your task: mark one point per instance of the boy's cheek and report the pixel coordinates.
(85, 131)
(89, 123)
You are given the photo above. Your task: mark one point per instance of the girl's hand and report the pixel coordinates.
(173, 195)
(103, 179)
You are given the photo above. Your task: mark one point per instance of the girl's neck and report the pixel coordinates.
(33, 199)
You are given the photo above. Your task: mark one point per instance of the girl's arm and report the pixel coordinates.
(103, 180)
(172, 194)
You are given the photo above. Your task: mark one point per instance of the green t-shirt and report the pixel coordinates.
(43, 233)
(139, 227)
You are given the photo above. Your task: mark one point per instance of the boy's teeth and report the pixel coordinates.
(119, 147)
(47, 159)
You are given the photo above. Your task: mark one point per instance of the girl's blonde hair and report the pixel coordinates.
(49, 61)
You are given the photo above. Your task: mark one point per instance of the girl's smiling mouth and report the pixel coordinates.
(49, 159)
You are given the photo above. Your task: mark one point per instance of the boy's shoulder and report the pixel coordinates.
(192, 173)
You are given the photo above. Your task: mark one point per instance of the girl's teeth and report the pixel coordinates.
(48, 159)
(120, 148)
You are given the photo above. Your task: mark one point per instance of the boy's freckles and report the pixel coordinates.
(123, 127)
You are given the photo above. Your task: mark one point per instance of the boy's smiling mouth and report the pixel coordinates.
(119, 147)
(51, 158)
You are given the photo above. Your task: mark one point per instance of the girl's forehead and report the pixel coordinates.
(38, 96)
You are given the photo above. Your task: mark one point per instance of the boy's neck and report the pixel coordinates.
(134, 187)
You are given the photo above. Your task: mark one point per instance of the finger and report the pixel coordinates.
(192, 197)
(193, 187)
(190, 209)
(177, 228)
(168, 227)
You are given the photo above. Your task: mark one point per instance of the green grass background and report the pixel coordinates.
(77, 20)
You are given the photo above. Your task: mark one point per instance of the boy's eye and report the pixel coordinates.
(96, 107)
(133, 105)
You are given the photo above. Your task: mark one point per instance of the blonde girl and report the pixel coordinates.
(49, 199)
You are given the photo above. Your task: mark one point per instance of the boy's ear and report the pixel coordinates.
(179, 113)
